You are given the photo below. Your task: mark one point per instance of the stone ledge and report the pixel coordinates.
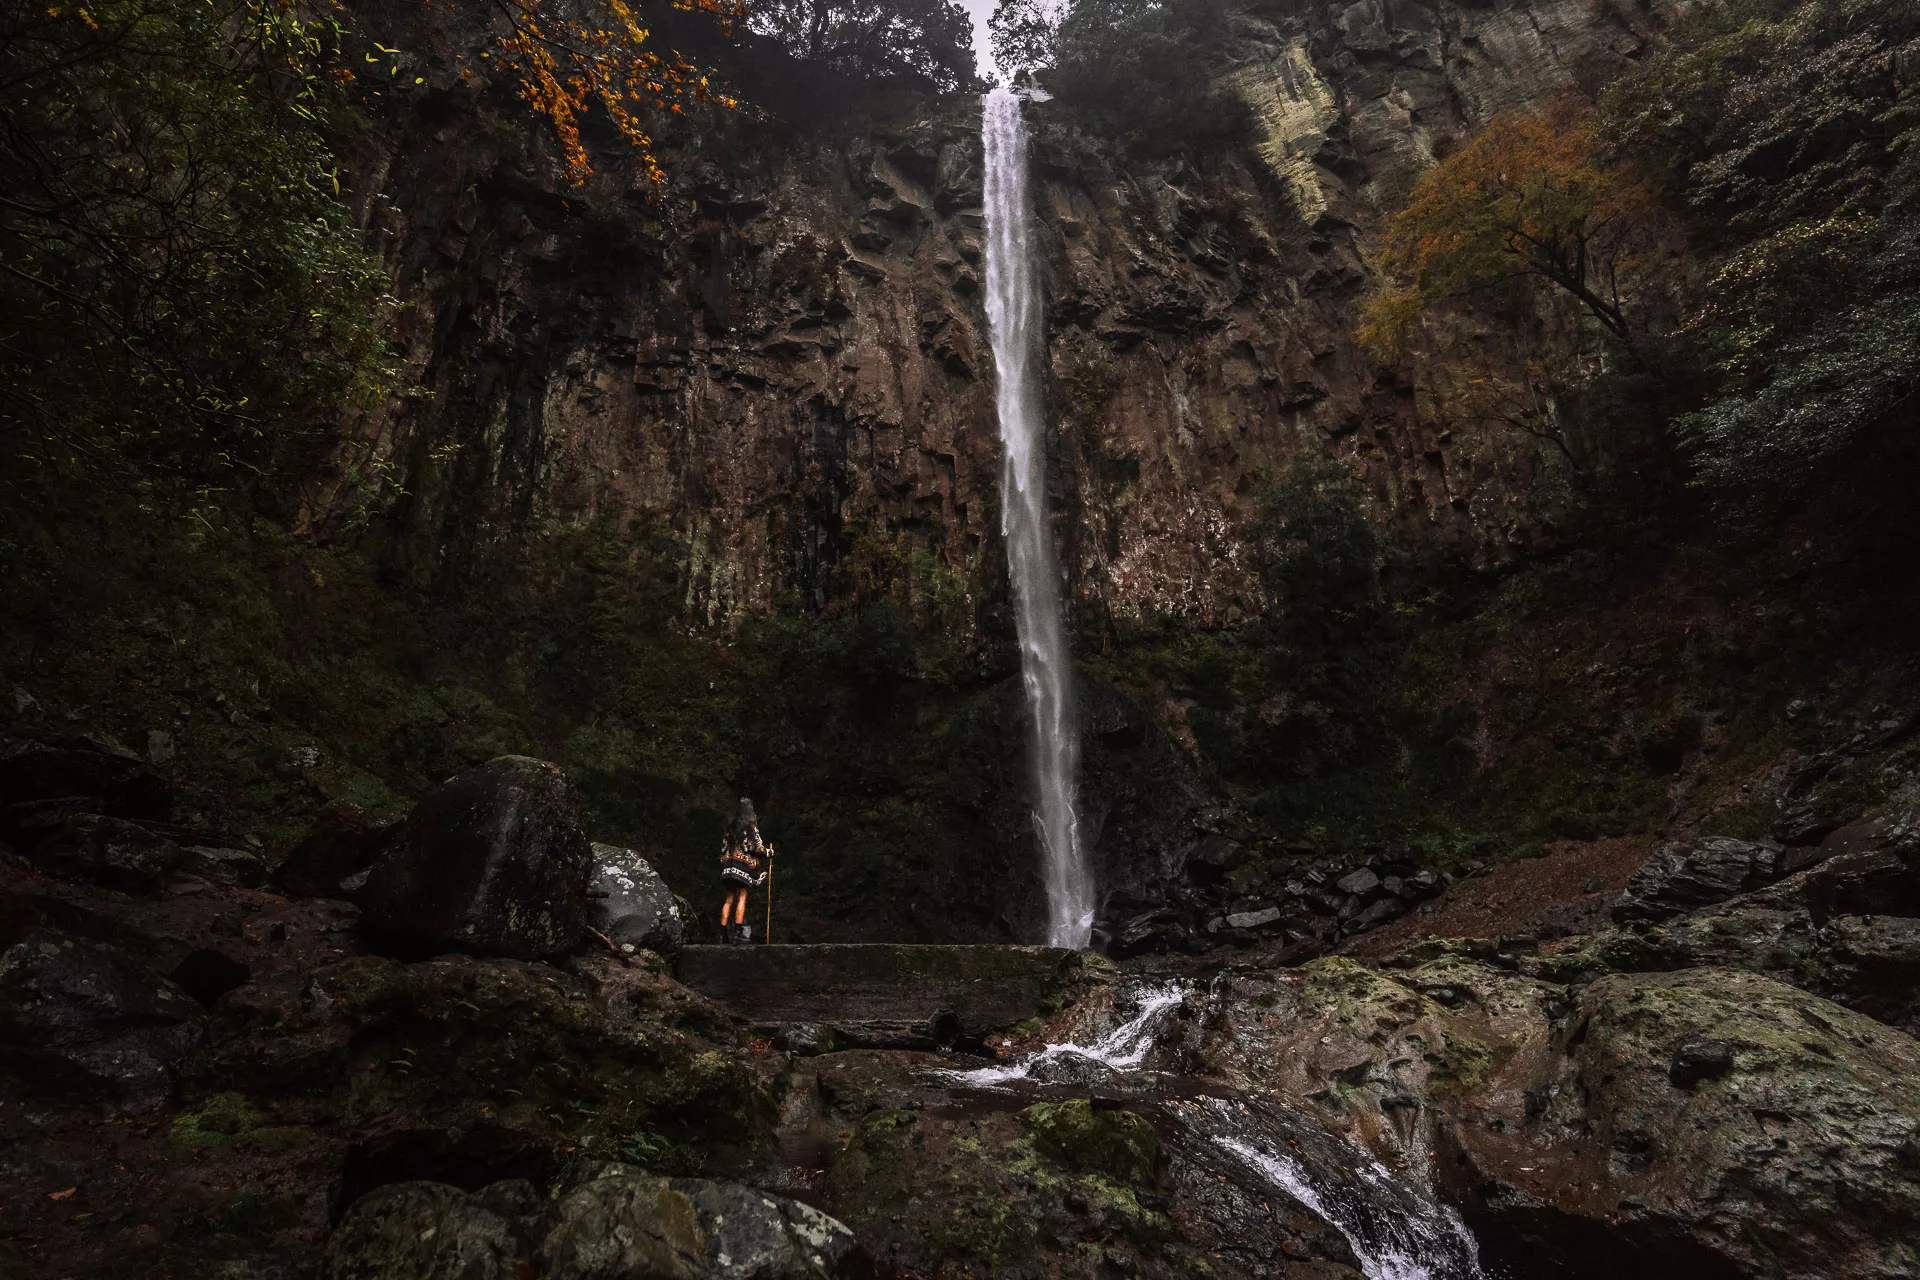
(885, 993)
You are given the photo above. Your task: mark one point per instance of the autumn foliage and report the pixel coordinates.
(564, 65)
(1530, 195)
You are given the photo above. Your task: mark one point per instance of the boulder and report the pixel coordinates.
(114, 853)
(421, 1231)
(612, 1222)
(494, 862)
(619, 1222)
(1769, 1132)
(113, 780)
(1682, 877)
(82, 1019)
(334, 859)
(637, 909)
(241, 867)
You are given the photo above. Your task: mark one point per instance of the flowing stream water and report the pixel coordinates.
(1014, 320)
(1395, 1227)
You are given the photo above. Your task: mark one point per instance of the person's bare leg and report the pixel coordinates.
(726, 909)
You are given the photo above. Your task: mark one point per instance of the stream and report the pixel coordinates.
(1395, 1227)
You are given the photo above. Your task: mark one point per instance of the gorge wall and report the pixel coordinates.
(776, 368)
(694, 492)
(789, 340)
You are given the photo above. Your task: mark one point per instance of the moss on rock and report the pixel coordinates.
(1100, 1140)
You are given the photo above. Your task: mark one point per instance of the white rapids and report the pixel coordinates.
(1014, 320)
(1124, 1048)
(1395, 1234)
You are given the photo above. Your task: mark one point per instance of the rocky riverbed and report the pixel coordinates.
(206, 1071)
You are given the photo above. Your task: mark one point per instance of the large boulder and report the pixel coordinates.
(421, 1231)
(1714, 1115)
(82, 1019)
(1684, 877)
(621, 1222)
(494, 862)
(1846, 928)
(612, 1222)
(632, 905)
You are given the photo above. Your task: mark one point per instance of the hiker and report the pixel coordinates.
(743, 859)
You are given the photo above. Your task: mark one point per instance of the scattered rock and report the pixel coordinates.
(607, 1223)
(1682, 877)
(334, 859)
(638, 909)
(1700, 1060)
(1358, 883)
(1253, 919)
(1376, 914)
(118, 782)
(493, 862)
(114, 853)
(224, 866)
(79, 1018)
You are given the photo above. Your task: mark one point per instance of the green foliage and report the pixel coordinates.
(921, 44)
(1789, 126)
(1318, 715)
(1841, 373)
(1147, 71)
(184, 288)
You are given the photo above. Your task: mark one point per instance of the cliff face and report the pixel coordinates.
(790, 339)
(776, 367)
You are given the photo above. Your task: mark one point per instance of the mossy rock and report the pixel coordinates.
(1098, 1139)
(222, 1121)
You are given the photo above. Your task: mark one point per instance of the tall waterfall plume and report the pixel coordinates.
(1013, 316)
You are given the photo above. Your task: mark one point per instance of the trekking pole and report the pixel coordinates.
(767, 938)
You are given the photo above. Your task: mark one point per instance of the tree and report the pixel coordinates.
(1528, 195)
(925, 44)
(1023, 32)
(177, 270)
(564, 65)
(1790, 130)
(1147, 71)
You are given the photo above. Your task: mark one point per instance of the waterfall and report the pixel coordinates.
(1013, 317)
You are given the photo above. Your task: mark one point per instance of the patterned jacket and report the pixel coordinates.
(743, 860)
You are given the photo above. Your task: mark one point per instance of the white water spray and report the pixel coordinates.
(1395, 1233)
(1013, 316)
(1123, 1048)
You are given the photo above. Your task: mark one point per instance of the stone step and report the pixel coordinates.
(885, 994)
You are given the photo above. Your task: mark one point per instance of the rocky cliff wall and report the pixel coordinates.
(787, 343)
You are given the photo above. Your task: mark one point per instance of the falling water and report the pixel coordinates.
(1392, 1222)
(1122, 1049)
(1013, 316)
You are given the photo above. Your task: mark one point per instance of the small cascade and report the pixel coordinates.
(1396, 1230)
(1122, 1049)
(1394, 1226)
(1014, 321)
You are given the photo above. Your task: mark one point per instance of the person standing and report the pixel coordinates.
(743, 866)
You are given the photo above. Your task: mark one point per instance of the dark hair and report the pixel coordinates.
(744, 818)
